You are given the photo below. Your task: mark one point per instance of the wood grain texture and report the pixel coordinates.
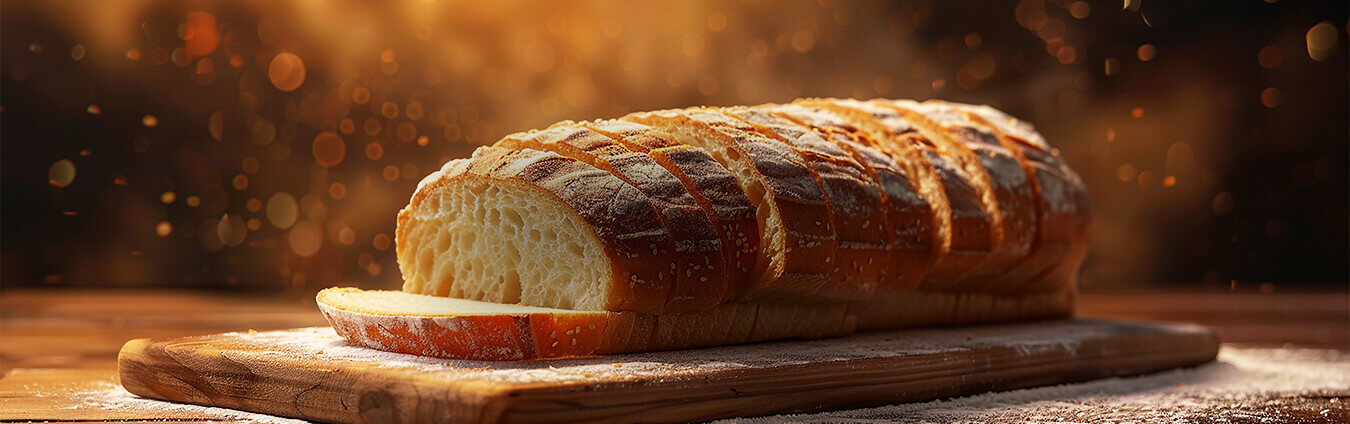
(313, 374)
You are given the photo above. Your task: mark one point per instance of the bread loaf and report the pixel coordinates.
(710, 226)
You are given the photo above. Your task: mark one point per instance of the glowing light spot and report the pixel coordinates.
(232, 230)
(249, 165)
(240, 182)
(973, 40)
(374, 270)
(381, 241)
(1080, 9)
(150, 121)
(1270, 97)
(347, 127)
(387, 55)
(346, 236)
(254, 204)
(254, 224)
(406, 132)
(374, 151)
(414, 111)
(1127, 172)
(164, 228)
(1270, 57)
(1222, 204)
(312, 206)
(134, 54)
(371, 127)
(282, 210)
(939, 83)
(77, 52)
(390, 173)
(389, 110)
(286, 72)
(216, 125)
(61, 173)
(717, 22)
(1180, 157)
(306, 238)
(1146, 180)
(120, 180)
(1146, 52)
(1169, 181)
(86, 152)
(1137, 112)
(337, 191)
(423, 140)
(803, 41)
(1322, 40)
(361, 95)
(167, 197)
(180, 57)
(193, 201)
(329, 149)
(262, 132)
(93, 109)
(1112, 66)
(205, 34)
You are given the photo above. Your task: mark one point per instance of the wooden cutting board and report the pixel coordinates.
(312, 373)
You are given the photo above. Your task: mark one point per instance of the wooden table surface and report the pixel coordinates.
(57, 342)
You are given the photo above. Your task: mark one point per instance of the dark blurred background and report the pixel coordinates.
(268, 144)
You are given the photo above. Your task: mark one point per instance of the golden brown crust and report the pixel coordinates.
(700, 269)
(858, 215)
(909, 223)
(778, 174)
(714, 188)
(966, 228)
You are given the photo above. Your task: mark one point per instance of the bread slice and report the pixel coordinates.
(859, 216)
(1063, 206)
(454, 328)
(465, 329)
(1010, 185)
(909, 221)
(797, 239)
(536, 228)
(714, 188)
(701, 271)
(966, 227)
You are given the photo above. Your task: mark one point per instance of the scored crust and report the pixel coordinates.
(701, 272)
(1063, 205)
(909, 223)
(858, 213)
(966, 232)
(714, 188)
(1010, 185)
(797, 240)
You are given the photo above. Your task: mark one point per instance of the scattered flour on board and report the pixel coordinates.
(1245, 385)
(111, 397)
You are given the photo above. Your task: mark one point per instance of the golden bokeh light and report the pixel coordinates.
(164, 228)
(390, 173)
(1322, 39)
(374, 151)
(167, 197)
(61, 173)
(93, 109)
(287, 72)
(232, 230)
(193, 201)
(1146, 52)
(381, 241)
(305, 238)
(337, 191)
(329, 149)
(1270, 97)
(150, 121)
(282, 210)
(1270, 57)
